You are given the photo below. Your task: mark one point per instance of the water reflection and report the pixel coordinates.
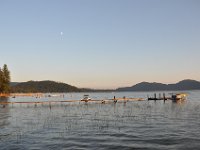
(179, 102)
(3, 99)
(4, 112)
(4, 119)
(130, 125)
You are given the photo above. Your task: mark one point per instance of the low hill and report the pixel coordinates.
(43, 87)
(146, 86)
(14, 83)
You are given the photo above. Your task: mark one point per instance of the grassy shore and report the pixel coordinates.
(21, 94)
(4, 95)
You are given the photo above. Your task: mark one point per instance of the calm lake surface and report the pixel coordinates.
(132, 125)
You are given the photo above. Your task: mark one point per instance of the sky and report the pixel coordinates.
(100, 43)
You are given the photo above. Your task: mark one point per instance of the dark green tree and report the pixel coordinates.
(4, 79)
(1, 81)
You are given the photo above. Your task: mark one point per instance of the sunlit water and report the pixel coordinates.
(131, 125)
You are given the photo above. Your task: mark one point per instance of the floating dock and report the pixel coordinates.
(79, 101)
(155, 98)
(174, 97)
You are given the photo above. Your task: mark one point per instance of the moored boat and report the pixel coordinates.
(178, 96)
(86, 98)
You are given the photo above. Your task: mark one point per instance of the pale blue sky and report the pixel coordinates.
(105, 43)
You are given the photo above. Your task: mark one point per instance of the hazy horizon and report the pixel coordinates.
(101, 44)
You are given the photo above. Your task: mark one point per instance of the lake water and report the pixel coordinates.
(132, 125)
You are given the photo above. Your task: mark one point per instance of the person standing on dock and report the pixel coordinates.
(114, 99)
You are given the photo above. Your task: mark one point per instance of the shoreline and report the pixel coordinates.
(21, 94)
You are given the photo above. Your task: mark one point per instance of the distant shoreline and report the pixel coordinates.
(58, 87)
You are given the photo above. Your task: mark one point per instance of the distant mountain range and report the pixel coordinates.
(42, 86)
(146, 86)
(47, 87)
(52, 86)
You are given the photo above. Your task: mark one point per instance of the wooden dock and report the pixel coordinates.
(77, 101)
(155, 98)
(174, 97)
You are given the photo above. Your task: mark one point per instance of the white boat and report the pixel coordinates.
(179, 96)
(86, 98)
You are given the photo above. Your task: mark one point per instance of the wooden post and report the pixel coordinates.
(164, 96)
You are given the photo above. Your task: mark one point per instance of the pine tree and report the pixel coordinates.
(1, 81)
(4, 79)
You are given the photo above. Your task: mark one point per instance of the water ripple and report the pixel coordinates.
(134, 125)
